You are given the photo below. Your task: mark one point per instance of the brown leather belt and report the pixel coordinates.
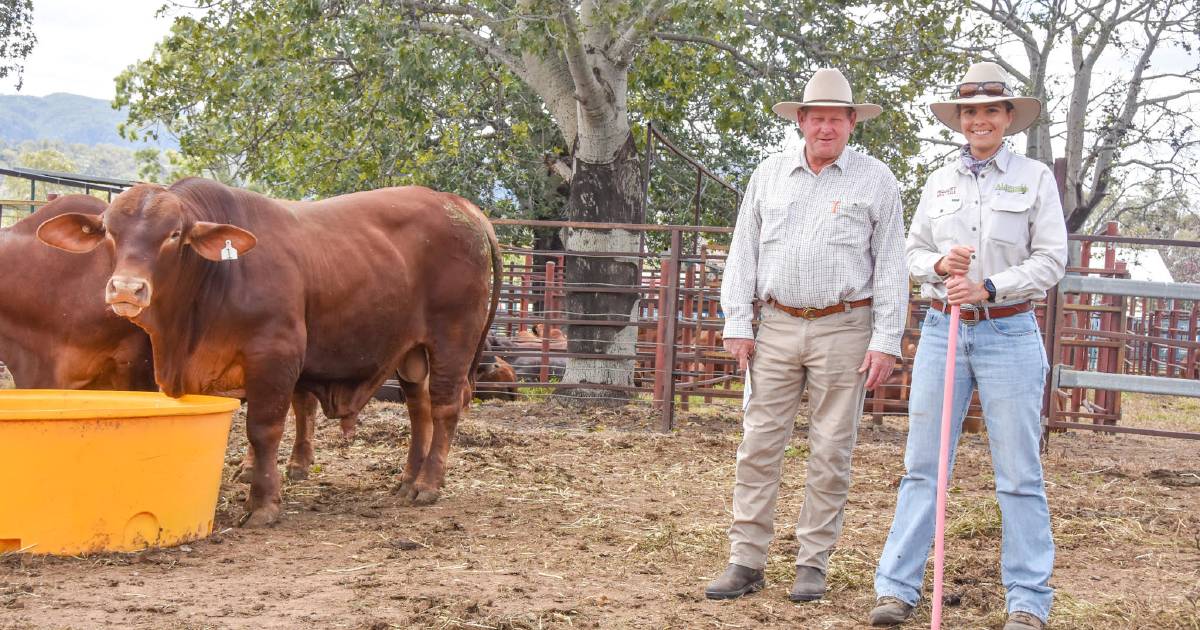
(813, 313)
(980, 314)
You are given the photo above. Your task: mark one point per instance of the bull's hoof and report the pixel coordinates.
(260, 517)
(410, 494)
(427, 497)
(297, 471)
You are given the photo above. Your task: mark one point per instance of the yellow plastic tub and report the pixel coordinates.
(91, 471)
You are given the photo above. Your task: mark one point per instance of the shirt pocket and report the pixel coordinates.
(945, 216)
(850, 226)
(1009, 222)
(774, 222)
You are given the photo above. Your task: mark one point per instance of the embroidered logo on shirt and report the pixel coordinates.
(953, 190)
(1009, 188)
(836, 203)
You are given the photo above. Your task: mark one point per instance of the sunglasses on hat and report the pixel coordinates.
(983, 88)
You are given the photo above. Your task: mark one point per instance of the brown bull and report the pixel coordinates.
(82, 344)
(248, 296)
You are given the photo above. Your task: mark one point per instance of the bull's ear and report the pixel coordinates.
(74, 232)
(208, 239)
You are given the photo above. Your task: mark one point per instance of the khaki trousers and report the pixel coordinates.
(790, 353)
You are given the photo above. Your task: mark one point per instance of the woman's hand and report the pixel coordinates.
(956, 262)
(960, 290)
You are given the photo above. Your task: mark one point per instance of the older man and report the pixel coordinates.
(819, 244)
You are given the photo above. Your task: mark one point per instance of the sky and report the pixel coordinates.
(83, 44)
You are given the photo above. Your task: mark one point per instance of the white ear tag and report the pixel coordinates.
(228, 252)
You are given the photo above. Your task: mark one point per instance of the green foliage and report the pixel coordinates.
(16, 36)
(314, 103)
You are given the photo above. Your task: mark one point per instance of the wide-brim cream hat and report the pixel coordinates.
(827, 88)
(986, 82)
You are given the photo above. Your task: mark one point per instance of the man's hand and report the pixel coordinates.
(741, 349)
(878, 367)
(956, 262)
(960, 290)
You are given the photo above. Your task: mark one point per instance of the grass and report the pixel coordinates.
(1129, 612)
(1173, 413)
(979, 519)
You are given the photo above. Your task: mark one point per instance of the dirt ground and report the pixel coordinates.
(554, 518)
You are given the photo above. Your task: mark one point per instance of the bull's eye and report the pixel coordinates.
(175, 235)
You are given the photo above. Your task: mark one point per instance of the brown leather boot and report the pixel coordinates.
(809, 585)
(736, 581)
(1021, 620)
(889, 611)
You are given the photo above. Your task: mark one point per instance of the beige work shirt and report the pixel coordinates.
(1010, 213)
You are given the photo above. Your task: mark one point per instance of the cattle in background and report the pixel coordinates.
(517, 351)
(249, 296)
(494, 379)
(84, 345)
(529, 369)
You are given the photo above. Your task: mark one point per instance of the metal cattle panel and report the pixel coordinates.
(1127, 383)
(1119, 286)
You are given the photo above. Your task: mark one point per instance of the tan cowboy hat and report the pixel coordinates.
(986, 82)
(827, 88)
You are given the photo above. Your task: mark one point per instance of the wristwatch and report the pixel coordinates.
(991, 289)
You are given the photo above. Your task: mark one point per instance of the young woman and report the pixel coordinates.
(989, 236)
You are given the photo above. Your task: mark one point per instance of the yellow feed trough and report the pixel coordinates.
(90, 471)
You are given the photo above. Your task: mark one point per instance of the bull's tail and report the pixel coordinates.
(497, 281)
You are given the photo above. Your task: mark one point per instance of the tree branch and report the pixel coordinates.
(635, 30)
(1169, 97)
(760, 69)
(588, 90)
(492, 49)
(1008, 20)
(433, 8)
(941, 142)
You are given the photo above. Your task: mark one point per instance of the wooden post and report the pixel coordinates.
(688, 338)
(661, 373)
(1192, 371)
(1173, 367)
(546, 306)
(670, 312)
(526, 288)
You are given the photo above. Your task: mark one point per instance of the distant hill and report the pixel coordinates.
(70, 118)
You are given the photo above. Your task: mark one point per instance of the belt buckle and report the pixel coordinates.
(971, 308)
(808, 313)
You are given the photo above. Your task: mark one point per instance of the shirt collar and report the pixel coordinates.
(1002, 159)
(842, 162)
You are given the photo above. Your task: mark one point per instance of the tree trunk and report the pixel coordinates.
(602, 193)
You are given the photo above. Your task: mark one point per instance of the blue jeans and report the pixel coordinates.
(1005, 359)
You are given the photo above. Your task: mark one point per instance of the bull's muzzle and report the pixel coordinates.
(127, 295)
